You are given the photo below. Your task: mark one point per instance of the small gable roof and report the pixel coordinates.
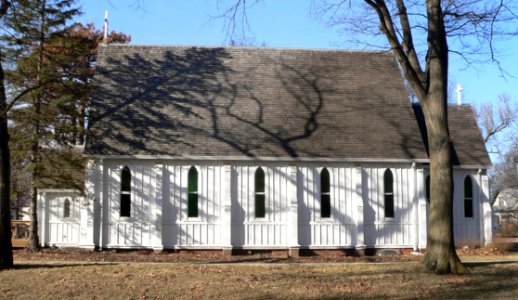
(251, 102)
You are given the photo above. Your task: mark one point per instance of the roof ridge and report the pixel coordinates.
(249, 48)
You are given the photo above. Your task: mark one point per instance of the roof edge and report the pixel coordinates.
(248, 158)
(388, 51)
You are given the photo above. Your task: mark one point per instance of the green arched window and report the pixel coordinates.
(325, 194)
(192, 184)
(388, 184)
(468, 198)
(260, 200)
(125, 205)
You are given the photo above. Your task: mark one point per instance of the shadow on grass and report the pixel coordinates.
(25, 265)
(245, 260)
(488, 263)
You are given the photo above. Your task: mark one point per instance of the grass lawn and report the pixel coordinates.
(47, 279)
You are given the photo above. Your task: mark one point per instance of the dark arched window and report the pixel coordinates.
(388, 181)
(260, 203)
(427, 188)
(125, 208)
(468, 198)
(325, 195)
(192, 184)
(66, 208)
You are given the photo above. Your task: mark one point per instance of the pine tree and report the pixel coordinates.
(37, 71)
(70, 58)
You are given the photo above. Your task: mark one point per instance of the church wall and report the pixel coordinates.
(338, 230)
(292, 196)
(135, 230)
(59, 222)
(382, 231)
(466, 229)
(180, 230)
(248, 230)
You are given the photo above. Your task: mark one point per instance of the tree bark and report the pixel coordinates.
(6, 251)
(440, 256)
(34, 239)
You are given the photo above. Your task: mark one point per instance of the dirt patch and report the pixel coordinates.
(56, 254)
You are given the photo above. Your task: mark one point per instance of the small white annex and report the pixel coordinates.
(267, 149)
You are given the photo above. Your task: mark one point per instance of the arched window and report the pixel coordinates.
(427, 188)
(260, 203)
(468, 198)
(388, 181)
(325, 195)
(66, 208)
(125, 205)
(192, 187)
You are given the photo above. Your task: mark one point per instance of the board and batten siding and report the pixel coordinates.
(226, 211)
(181, 231)
(270, 231)
(339, 229)
(57, 229)
(400, 230)
(135, 230)
(466, 230)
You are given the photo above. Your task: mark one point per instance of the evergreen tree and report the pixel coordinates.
(71, 58)
(37, 71)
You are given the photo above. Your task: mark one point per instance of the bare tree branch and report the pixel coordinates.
(495, 118)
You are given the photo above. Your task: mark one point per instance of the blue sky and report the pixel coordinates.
(278, 23)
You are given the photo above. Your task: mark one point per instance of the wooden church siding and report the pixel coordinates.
(337, 230)
(134, 230)
(55, 228)
(400, 230)
(270, 231)
(466, 230)
(179, 230)
(226, 216)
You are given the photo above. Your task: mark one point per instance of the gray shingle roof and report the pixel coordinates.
(469, 148)
(256, 102)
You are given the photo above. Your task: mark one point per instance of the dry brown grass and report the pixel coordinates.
(46, 279)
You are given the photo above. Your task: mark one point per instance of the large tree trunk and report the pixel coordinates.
(6, 251)
(440, 256)
(34, 237)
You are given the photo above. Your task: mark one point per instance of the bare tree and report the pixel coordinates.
(505, 173)
(494, 119)
(419, 34)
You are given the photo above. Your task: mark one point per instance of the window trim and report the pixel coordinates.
(67, 208)
(323, 172)
(124, 193)
(196, 193)
(388, 195)
(471, 199)
(260, 193)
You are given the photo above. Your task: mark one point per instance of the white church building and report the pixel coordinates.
(261, 149)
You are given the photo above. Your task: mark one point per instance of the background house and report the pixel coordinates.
(505, 209)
